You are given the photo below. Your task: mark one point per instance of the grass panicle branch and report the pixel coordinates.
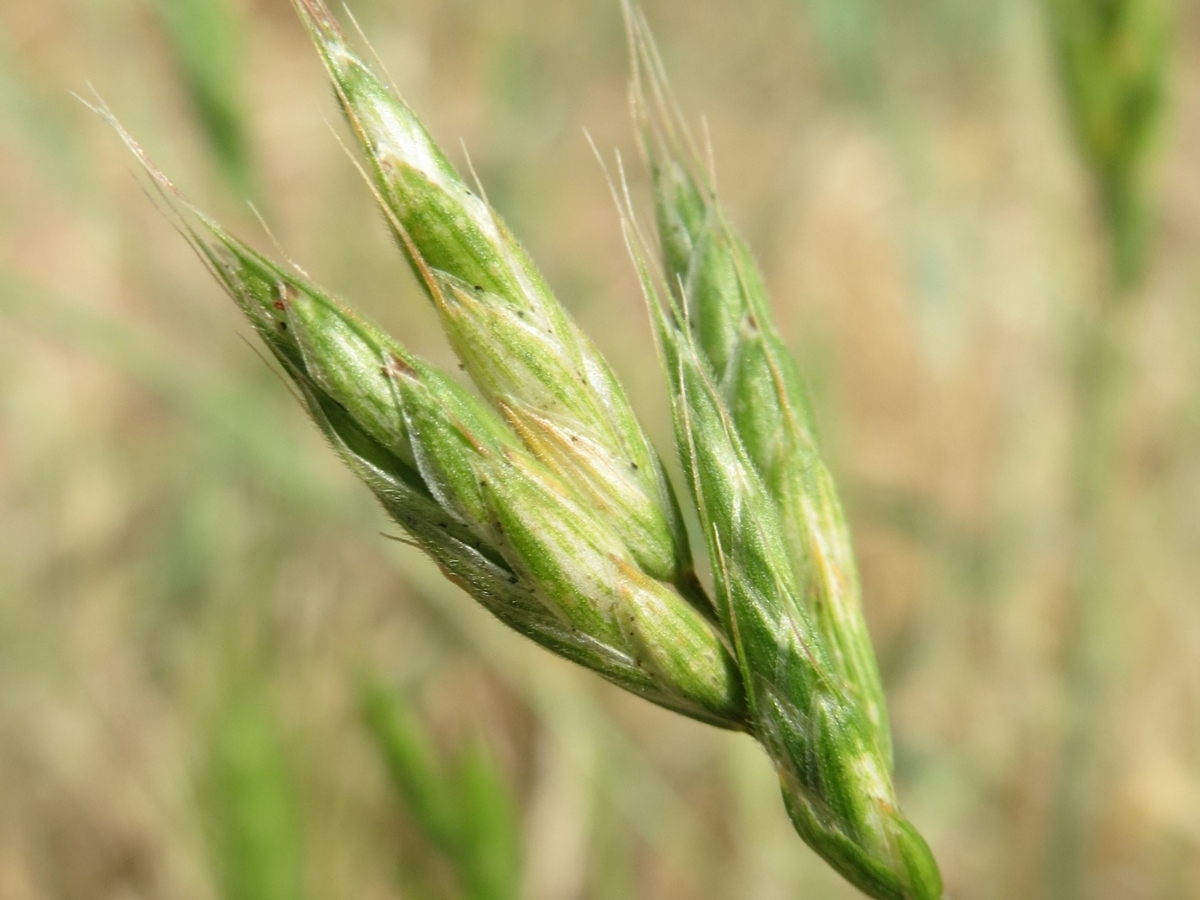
(547, 502)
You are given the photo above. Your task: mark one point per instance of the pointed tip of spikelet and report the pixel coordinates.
(318, 20)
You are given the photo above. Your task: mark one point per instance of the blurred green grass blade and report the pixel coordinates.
(491, 849)
(205, 37)
(253, 808)
(409, 756)
(469, 815)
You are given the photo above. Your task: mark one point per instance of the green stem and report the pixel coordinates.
(1100, 378)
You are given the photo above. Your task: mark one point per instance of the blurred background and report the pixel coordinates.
(980, 224)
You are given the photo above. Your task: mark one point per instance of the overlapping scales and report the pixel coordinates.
(499, 523)
(714, 279)
(783, 564)
(517, 342)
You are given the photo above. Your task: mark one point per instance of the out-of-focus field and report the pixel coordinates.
(175, 538)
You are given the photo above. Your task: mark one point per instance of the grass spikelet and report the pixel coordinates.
(716, 284)
(781, 550)
(515, 339)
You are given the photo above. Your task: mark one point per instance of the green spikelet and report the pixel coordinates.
(716, 283)
(782, 556)
(518, 343)
(499, 522)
